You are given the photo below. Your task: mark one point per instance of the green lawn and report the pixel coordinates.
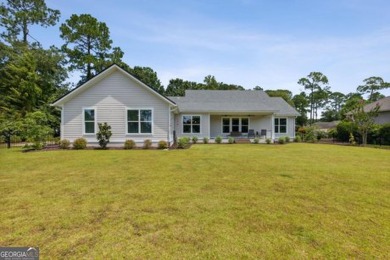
(210, 201)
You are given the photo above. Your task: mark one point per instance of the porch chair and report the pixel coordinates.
(263, 132)
(251, 133)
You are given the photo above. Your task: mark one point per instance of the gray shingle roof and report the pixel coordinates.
(237, 101)
(384, 104)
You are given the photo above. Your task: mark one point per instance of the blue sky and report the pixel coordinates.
(246, 42)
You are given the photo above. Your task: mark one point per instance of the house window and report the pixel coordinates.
(235, 124)
(191, 124)
(280, 125)
(139, 121)
(89, 121)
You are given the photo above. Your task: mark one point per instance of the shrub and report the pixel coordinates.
(384, 133)
(104, 134)
(352, 139)
(16, 139)
(281, 140)
(194, 139)
(147, 144)
(129, 144)
(64, 144)
(287, 139)
(162, 144)
(205, 140)
(79, 144)
(268, 140)
(231, 140)
(310, 135)
(218, 139)
(256, 140)
(343, 129)
(183, 142)
(297, 139)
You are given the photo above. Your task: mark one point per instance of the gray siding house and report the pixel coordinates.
(384, 110)
(135, 111)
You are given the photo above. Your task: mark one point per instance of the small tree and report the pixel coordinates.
(104, 134)
(8, 128)
(364, 120)
(37, 129)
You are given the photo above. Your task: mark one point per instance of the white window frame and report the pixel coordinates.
(231, 124)
(139, 120)
(95, 121)
(200, 124)
(278, 125)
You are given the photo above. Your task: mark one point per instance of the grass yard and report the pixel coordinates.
(210, 201)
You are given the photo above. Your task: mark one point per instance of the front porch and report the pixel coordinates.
(241, 126)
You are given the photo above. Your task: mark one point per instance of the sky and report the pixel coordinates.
(251, 43)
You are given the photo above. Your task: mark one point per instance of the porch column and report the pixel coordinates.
(272, 127)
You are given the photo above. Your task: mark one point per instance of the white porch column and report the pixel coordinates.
(272, 127)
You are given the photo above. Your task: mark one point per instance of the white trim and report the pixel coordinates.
(83, 119)
(139, 121)
(231, 124)
(62, 126)
(101, 76)
(200, 124)
(169, 125)
(272, 127)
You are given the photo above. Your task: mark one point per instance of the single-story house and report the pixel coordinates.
(326, 126)
(383, 112)
(136, 111)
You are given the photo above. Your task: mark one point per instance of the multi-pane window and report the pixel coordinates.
(139, 121)
(191, 124)
(89, 121)
(280, 125)
(235, 124)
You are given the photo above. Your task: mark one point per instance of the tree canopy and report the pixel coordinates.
(88, 45)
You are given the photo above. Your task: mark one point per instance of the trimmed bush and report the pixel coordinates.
(268, 140)
(64, 144)
(218, 139)
(282, 140)
(147, 144)
(256, 140)
(183, 142)
(194, 139)
(231, 140)
(80, 144)
(205, 140)
(129, 144)
(297, 139)
(287, 139)
(162, 144)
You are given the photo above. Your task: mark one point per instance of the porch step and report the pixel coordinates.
(242, 141)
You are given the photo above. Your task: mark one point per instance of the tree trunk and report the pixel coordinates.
(8, 141)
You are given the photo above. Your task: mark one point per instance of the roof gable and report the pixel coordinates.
(106, 73)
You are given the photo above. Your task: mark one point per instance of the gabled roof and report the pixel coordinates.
(108, 71)
(233, 101)
(384, 104)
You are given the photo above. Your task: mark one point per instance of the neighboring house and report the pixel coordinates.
(326, 126)
(136, 111)
(383, 112)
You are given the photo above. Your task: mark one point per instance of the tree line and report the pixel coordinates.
(32, 77)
